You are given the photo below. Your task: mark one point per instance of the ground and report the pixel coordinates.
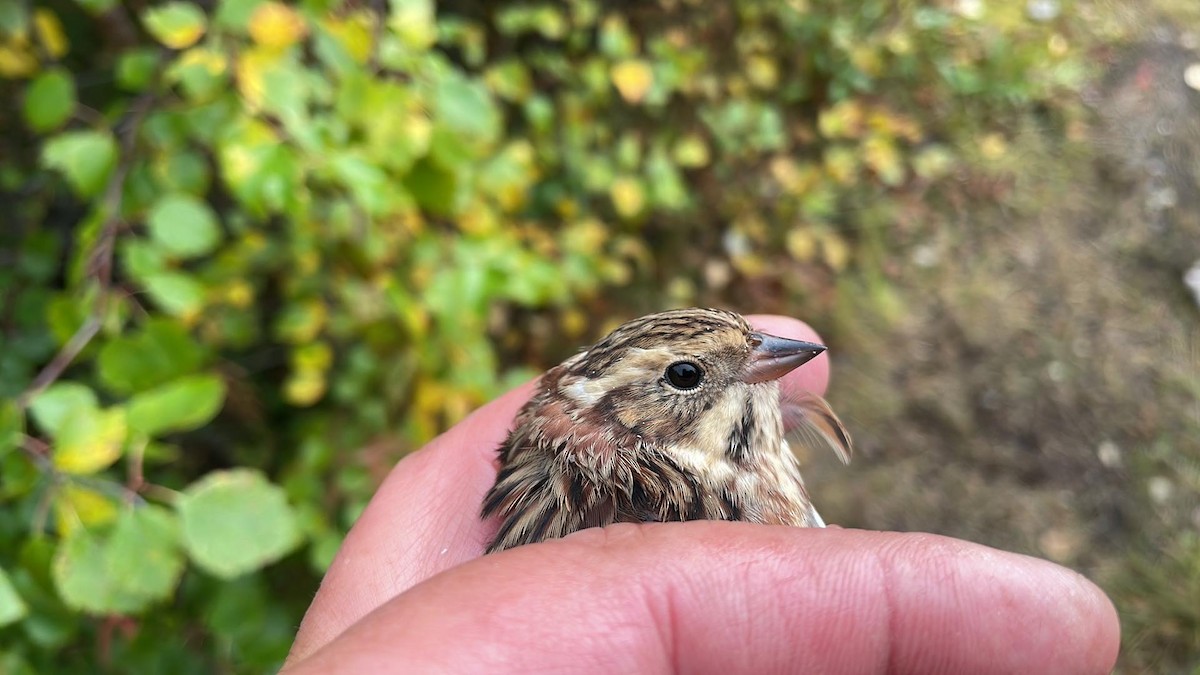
(1029, 374)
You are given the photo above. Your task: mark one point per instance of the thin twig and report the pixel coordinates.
(100, 262)
(160, 493)
(61, 360)
(136, 478)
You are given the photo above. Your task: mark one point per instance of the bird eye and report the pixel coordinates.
(684, 375)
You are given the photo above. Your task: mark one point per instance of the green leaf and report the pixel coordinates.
(236, 522)
(369, 185)
(413, 22)
(86, 158)
(178, 25)
(12, 426)
(144, 552)
(234, 15)
(81, 575)
(14, 18)
(465, 107)
(176, 292)
(50, 100)
(141, 258)
(12, 607)
(59, 402)
(184, 171)
(97, 7)
(184, 225)
(124, 569)
(161, 352)
(136, 67)
(89, 440)
(432, 187)
(21, 475)
(187, 403)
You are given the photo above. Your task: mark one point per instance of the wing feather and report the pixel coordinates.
(810, 419)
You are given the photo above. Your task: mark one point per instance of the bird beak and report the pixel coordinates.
(773, 357)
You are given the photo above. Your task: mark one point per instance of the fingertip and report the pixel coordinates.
(1034, 615)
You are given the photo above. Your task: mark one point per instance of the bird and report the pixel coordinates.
(674, 416)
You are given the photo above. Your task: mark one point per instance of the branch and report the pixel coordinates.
(100, 262)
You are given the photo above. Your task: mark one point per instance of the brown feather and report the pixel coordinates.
(608, 439)
(810, 419)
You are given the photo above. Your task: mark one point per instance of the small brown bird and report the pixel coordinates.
(674, 416)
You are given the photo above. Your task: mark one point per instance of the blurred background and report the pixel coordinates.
(255, 252)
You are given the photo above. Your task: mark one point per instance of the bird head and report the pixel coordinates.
(669, 376)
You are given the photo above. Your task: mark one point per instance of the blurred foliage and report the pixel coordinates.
(254, 252)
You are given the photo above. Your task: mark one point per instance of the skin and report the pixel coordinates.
(409, 592)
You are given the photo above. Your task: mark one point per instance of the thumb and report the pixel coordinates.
(734, 597)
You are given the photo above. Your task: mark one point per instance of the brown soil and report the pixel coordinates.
(1029, 376)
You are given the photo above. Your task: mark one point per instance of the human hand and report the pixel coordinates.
(408, 591)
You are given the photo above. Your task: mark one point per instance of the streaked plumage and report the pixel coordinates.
(618, 433)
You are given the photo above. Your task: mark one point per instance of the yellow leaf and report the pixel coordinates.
(252, 68)
(239, 294)
(627, 196)
(427, 402)
(242, 159)
(478, 219)
(355, 34)
(458, 405)
(76, 505)
(993, 146)
(302, 321)
(836, 252)
(933, 162)
(315, 356)
(842, 164)
(881, 155)
(276, 26)
(304, 388)
(899, 42)
(573, 322)
(585, 236)
(1057, 45)
(682, 291)
(308, 262)
(211, 60)
(16, 58)
(737, 86)
(785, 170)
(176, 24)
(413, 21)
(749, 264)
(844, 120)
(89, 440)
(691, 152)
(801, 244)
(566, 208)
(633, 79)
(894, 125)
(762, 72)
(867, 59)
(50, 33)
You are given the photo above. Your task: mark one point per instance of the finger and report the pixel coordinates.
(739, 598)
(424, 518)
